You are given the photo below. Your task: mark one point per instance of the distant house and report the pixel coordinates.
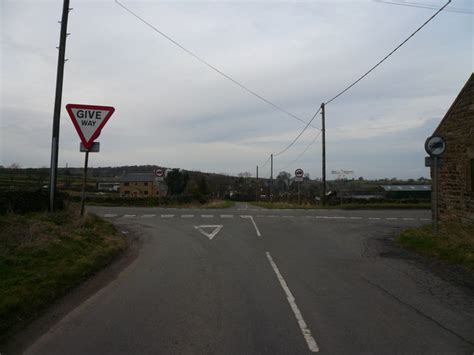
(141, 185)
(456, 174)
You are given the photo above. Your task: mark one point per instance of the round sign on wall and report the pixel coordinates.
(299, 172)
(435, 146)
(159, 172)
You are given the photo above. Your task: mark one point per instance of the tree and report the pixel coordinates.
(282, 180)
(176, 180)
(245, 174)
(203, 188)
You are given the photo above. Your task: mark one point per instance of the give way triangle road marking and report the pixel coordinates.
(215, 229)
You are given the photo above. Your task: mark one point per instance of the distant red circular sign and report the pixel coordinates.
(159, 172)
(299, 172)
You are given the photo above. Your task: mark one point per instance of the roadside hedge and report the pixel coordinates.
(26, 201)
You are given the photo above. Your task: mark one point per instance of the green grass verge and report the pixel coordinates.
(149, 202)
(351, 206)
(454, 243)
(218, 204)
(42, 256)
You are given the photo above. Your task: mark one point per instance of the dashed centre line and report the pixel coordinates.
(310, 341)
(229, 216)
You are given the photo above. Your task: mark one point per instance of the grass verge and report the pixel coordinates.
(146, 202)
(351, 206)
(42, 256)
(454, 243)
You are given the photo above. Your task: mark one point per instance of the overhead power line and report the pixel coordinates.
(304, 151)
(298, 136)
(388, 55)
(425, 6)
(266, 162)
(361, 78)
(212, 67)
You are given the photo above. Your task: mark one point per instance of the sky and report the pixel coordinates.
(171, 110)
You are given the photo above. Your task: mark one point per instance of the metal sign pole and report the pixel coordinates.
(256, 187)
(299, 193)
(84, 183)
(323, 131)
(271, 178)
(435, 195)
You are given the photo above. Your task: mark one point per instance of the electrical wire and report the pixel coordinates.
(425, 6)
(298, 136)
(220, 72)
(264, 164)
(303, 152)
(359, 79)
(388, 55)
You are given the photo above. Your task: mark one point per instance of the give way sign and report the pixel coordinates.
(89, 120)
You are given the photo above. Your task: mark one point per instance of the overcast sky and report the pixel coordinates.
(172, 110)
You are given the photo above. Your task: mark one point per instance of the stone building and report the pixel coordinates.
(141, 185)
(456, 174)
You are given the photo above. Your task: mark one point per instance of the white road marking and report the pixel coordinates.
(425, 219)
(187, 216)
(125, 232)
(128, 215)
(148, 215)
(355, 217)
(227, 216)
(374, 218)
(287, 216)
(391, 218)
(254, 225)
(310, 341)
(272, 216)
(211, 235)
(109, 215)
(408, 219)
(167, 215)
(207, 215)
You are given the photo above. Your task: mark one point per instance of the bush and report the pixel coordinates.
(26, 201)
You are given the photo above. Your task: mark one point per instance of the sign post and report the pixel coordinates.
(88, 121)
(84, 183)
(159, 173)
(435, 147)
(299, 176)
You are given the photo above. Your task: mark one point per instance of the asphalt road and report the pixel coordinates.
(253, 281)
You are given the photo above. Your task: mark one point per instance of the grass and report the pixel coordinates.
(218, 204)
(348, 206)
(149, 202)
(42, 256)
(454, 243)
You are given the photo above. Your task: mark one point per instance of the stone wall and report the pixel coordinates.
(456, 193)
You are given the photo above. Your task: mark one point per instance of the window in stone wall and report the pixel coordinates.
(472, 175)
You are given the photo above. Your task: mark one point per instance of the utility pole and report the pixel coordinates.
(271, 177)
(256, 187)
(57, 106)
(323, 131)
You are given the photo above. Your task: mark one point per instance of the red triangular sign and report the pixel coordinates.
(89, 120)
